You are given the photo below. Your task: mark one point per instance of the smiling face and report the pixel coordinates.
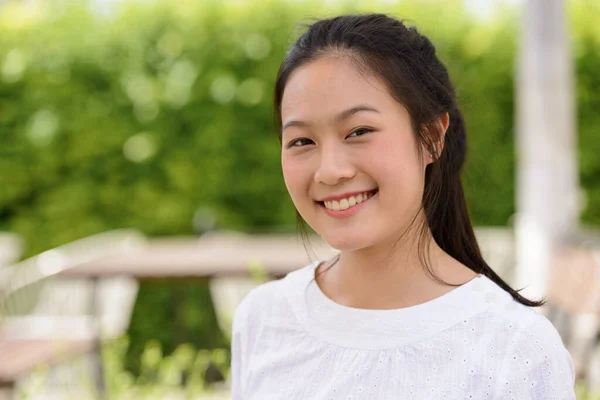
(328, 151)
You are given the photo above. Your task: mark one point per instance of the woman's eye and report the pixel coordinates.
(362, 131)
(294, 142)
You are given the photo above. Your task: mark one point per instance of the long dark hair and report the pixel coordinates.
(406, 62)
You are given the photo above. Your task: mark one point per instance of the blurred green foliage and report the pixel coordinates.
(180, 375)
(143, 115)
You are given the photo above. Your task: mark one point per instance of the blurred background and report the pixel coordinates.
(141, 194)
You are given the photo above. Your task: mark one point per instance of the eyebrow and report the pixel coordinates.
(338, 118)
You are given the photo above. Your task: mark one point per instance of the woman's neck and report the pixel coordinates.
(370, 280)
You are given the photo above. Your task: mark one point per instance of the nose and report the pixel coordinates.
(334, 166)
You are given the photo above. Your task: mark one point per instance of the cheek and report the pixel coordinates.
(295, 176)
(396, 165)
(388, 159)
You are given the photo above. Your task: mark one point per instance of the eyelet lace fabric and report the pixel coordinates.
(290, 341)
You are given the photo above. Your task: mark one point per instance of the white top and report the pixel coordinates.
(290, 341)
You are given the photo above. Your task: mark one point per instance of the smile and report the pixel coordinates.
(348, 206)
(348, 202)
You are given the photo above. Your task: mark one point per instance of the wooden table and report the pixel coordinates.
(212, 255)
(19, 357)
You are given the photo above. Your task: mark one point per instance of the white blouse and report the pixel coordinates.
(290, 341)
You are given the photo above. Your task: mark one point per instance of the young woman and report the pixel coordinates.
(373, 143)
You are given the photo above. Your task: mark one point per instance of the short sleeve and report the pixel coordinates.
(537, 365)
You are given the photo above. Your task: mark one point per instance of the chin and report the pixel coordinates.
(344, 242)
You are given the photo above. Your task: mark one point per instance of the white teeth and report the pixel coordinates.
(351, 201)
(344, 204)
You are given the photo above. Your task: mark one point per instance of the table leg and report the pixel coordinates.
(97, 367)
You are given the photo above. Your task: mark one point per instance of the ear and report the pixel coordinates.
(437, 131)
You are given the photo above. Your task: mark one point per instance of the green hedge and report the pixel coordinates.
(140, 117)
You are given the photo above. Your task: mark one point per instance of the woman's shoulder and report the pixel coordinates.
(269, 297)
(535, 359)
(533, 355)
(527, 328)
(527, 324)
(532, 330)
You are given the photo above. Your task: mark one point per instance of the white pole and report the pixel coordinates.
(547, 175)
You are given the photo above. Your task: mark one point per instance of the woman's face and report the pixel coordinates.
(328, 151)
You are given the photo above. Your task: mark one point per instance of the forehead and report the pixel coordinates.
(328, 85)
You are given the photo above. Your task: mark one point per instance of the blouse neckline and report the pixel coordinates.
(378, 329)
